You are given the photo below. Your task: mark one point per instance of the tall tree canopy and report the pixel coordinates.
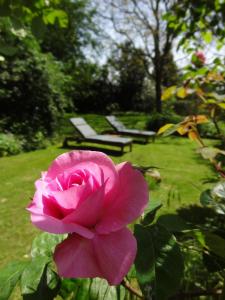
(128, 64)
(198, 20)
(142, 24)
(67, 43)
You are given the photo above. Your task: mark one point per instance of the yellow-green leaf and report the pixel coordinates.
(207, 36)
(211, 101)
(222, 105)
(164, 128)
(182, 92)
(168, 93)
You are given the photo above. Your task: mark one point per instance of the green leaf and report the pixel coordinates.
(32, 274)
(207, 36)
(197, 235)
(5, 9)
(215, 243)
(45, 243)
(206, 197)
(38, 281)
(213, 262)
(38, 27)
(56, 15)
(201, 24)
(7, 50)
(91, 289)
(159, 263)
(222, 297)
(173, 223)
(217, 61)
(151, 212)
(9, 277)
(201, 71)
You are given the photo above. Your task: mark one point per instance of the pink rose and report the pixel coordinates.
(84, 194)
(198, 58)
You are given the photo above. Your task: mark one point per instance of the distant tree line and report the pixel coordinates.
(44, 71)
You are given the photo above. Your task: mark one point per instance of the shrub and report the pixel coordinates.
(35, 141)
(9, 144)
(208, 130)
(31, 91)
(157, 120)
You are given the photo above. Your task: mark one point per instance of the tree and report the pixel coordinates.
(32, 84)
(169, 70)
(198, 21)
(141, 23)
(68, 43)
(34, 15)
(128, 64)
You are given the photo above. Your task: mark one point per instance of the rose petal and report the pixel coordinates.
(75, 258)
(115, 253)
(129, 203)
(53, 225)
(69, 199)
(106, 256)
(88, 211)
(93, 161)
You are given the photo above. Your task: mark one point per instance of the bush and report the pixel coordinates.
(32, 94)
(9, 144)
(208, 130)
(157, 120)
(35, 141)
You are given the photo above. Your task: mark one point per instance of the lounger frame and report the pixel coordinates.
(89, 135)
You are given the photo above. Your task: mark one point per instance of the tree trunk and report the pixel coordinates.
(158, 92)
(157, 61)
(158, 77)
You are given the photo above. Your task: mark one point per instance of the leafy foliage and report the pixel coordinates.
(198, 21)
(66, 42)
(44, 244)
(93, 289)
(9, 277)
(38, 13)
(91, 90)
(157, 252)
(129, 67)
(38, 281)
(9, 144)
(31, 100)
(157, 120)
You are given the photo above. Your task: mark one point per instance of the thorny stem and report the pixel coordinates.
(131, 289)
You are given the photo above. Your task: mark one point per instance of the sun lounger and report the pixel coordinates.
(121, 129)
(88, 134)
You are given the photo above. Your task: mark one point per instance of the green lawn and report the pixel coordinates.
(182, 170)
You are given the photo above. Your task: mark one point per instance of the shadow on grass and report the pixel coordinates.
(110, 152)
